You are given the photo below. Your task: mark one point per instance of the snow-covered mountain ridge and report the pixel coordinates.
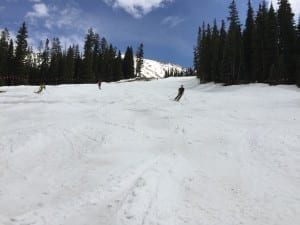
(155, 69)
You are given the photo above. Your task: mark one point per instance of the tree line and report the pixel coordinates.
(51, 64)
(266, 50)
(173, 72)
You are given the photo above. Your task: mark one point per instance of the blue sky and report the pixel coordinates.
(167, 28)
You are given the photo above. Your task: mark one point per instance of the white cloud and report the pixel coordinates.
(39, 10)
(137, 8)
(295, 6)
(172, 21)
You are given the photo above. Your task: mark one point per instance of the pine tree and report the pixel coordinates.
(298, 53)
(261, 67)
(131, 63)
(69, 65)
(21, 53)
(287, 42)
(197, 51)
(56, 69)
(128, 64)
(4, 48)
(139, 60)
(272, 54)
(232, 60)
(118, 72)
(223, 37)
(44, 71)
(3, 56)
(31, 67)
(96, 56)
(202, 54)
(88, 75)
(109, 62)
(206, 55)
(248, 42)
(101, 64)
(215, 60)
(10, 61)
(78, 65)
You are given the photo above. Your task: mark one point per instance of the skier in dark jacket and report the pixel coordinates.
(99, 84)
(180, 93)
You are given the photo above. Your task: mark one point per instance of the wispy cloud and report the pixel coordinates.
(137, 8)
(1, 8)
(172, 21)
(52, 16)
(39, 10)
(66, 17)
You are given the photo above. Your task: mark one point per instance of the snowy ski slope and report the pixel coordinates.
(130, 155)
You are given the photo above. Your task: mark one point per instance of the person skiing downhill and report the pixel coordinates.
(99, 84)
(42, 87)
(180, 93)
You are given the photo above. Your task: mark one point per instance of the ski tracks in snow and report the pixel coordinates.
(148, 199)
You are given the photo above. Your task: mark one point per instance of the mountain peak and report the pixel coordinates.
(155, 69)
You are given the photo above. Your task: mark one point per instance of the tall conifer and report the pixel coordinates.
(10, 61)
(260, 66)
(202, 54)
(128, 64)
(197, 52)
(232, 60)
(272, 54)
(298, 52)
(56, 69)
(223, 37)
(21, 53)
(248, 42)
(88, 74)
(139, 60)
(215, 62)
(287, 42)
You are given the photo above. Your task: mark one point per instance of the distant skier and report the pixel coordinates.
(180, 93)
(42, 87)
(99, 84)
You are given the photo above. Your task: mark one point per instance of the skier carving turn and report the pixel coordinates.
(180, 93)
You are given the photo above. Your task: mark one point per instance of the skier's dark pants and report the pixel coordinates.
(178, 97)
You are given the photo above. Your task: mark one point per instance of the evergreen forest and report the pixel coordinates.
(266, 49)
(51, 64)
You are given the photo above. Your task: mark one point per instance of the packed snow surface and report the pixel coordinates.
(130, 155)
